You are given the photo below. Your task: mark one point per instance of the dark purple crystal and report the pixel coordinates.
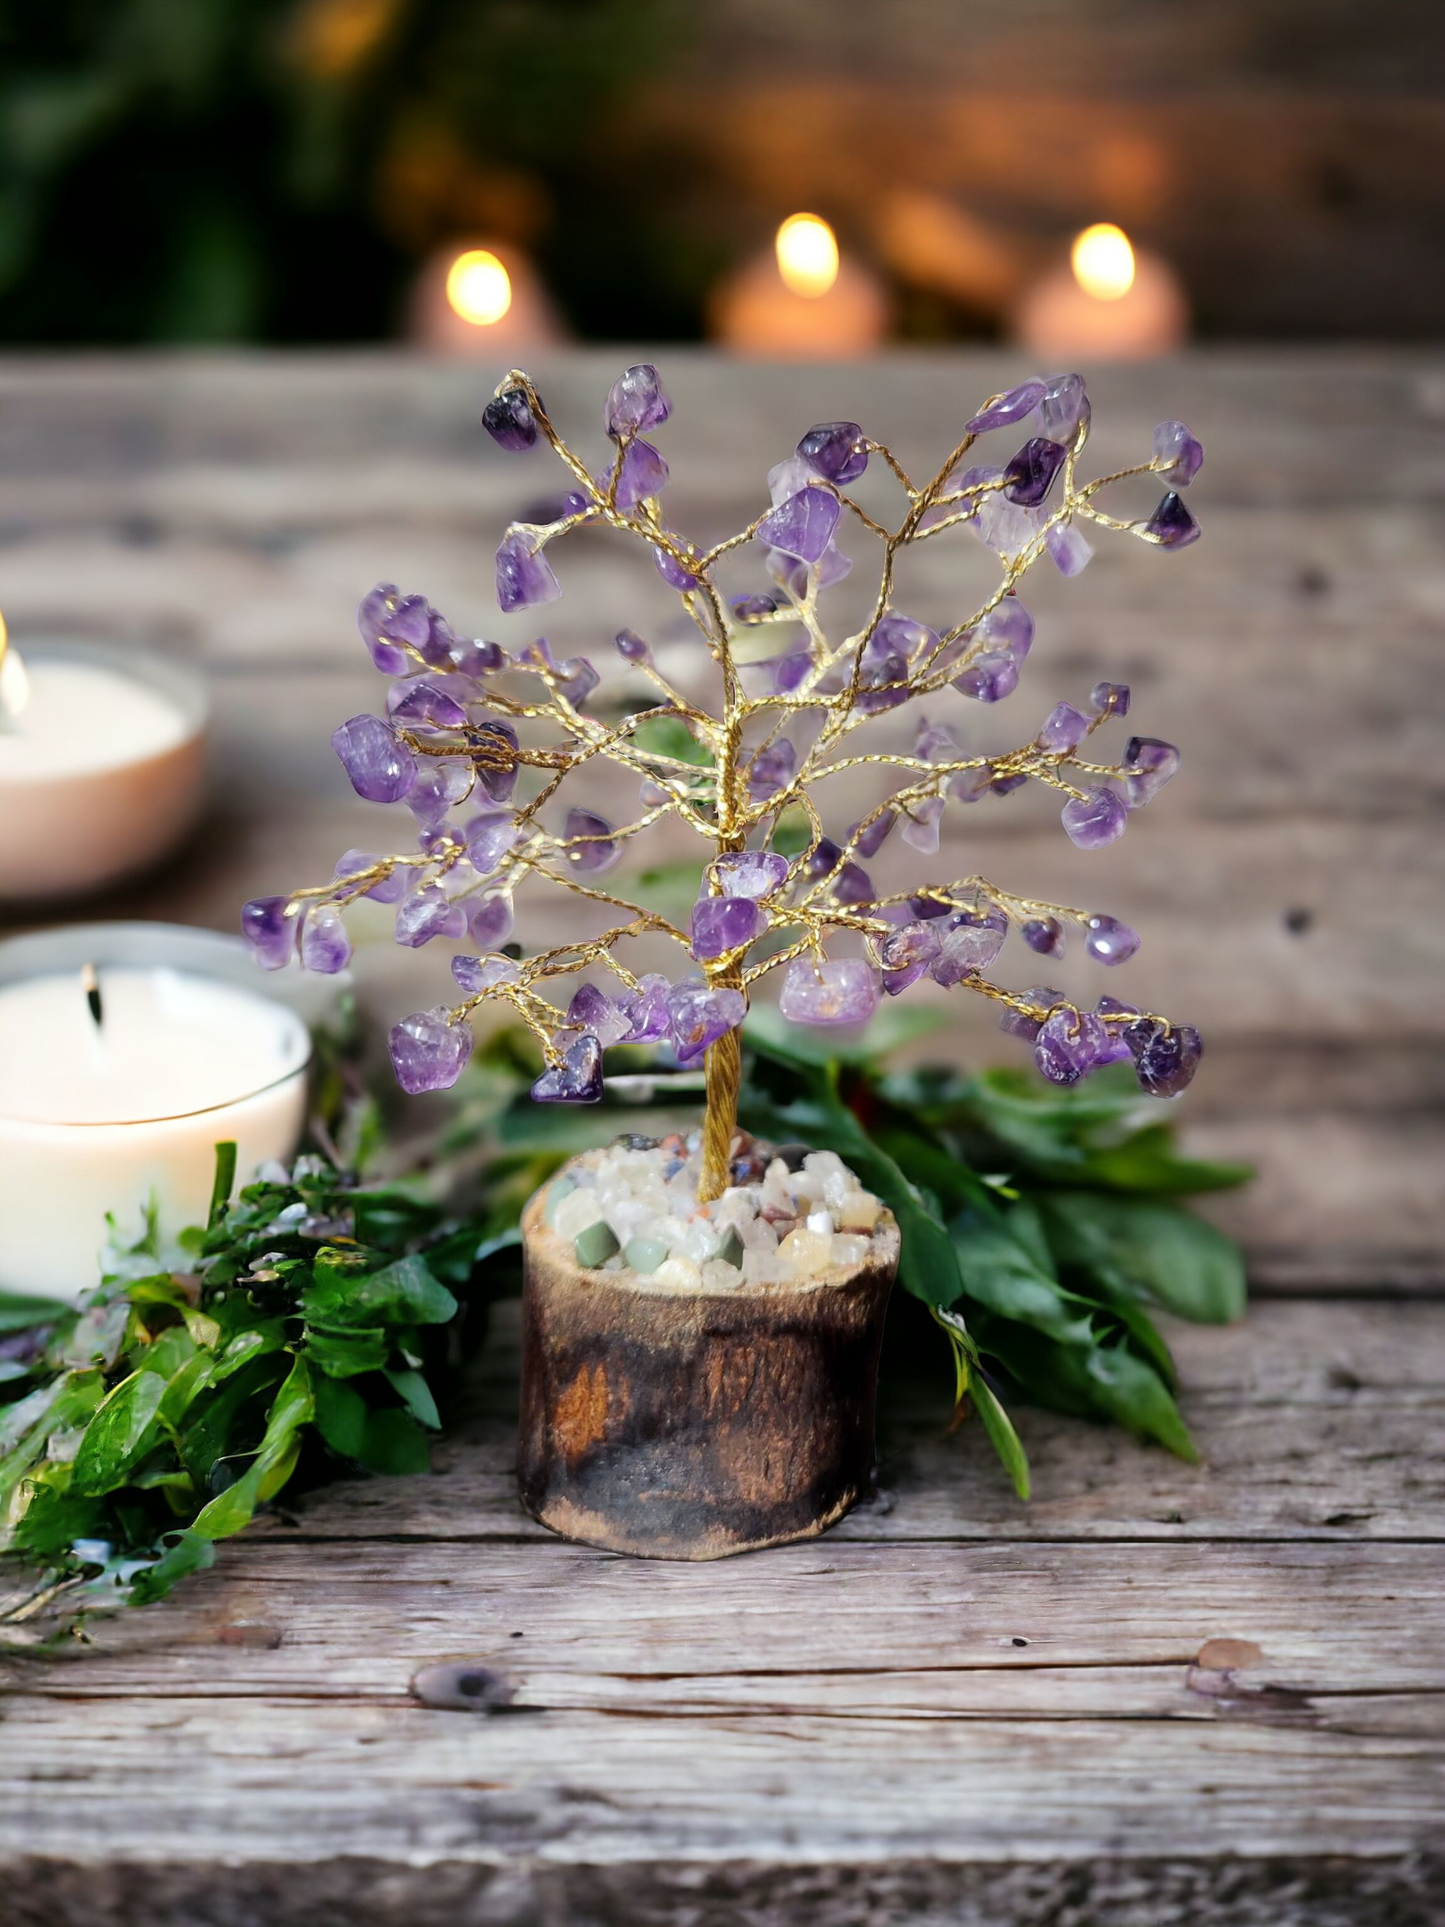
(472, 656)
(671, 570)
(381, 768)
(1164, 1061)
(1110, 698)
(1149, 762)
(721, 924)
(1019, 1024)
(595, 849)
(1045, 935)
(838, 451)
(635, 401)
(509, 420)
(1109, 941)
(882, 684)
(771, 770)
(753, 608)
(577, 1079)
(631, 647)
(427, 1052)
(1070, 1044)
(868, 842)
(1171, 524)
(494, 758)
(1030, 474)
(1002, 410)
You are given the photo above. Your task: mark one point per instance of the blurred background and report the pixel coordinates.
(465, 172)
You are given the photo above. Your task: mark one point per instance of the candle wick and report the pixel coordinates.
(90, 984)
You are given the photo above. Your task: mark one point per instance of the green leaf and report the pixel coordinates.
(346, 1354)
(670, 736)
(293, 1408)
(1146, 1161)
(996, 1422)
(416, 1395)
(223, 1183)
(384, 1441)
(998, 1271)
(1154, 1251)
(19, 1313)
(403, 1293)
(1101, 1381)
(185, 1552)
(117, 1435)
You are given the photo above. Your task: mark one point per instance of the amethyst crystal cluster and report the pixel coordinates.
(476, 743)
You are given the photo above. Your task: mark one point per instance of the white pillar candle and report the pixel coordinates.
(101, 754)
(100, 1118)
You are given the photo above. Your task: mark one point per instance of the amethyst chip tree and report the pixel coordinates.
(479, 746)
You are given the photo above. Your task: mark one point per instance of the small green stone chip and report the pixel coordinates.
(643, 1255)
(731, 1249)
(560, 1188)
(595, 1245)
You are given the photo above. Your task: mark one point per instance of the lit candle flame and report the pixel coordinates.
(14, 683)
(807, 255)
(1103, 261)
(479, 287)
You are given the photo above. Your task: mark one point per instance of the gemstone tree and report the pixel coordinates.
(478, 745)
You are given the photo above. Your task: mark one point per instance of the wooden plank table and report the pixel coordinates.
(1159, 1693)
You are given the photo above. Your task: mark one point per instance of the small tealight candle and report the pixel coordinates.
(118, 1080)
(101, 764)
(1111, 301)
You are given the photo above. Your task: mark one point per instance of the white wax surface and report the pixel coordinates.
(99, 1124)
(169, 1044)
(82, 718)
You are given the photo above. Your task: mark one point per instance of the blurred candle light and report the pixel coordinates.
(801, 300)
(1111, 301)
(807, 252)
(483, 299)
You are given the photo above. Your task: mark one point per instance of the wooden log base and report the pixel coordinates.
(693, 1425)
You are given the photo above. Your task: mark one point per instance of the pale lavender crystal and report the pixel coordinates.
(786, 478)
(1030, 474)
(631, 647)
(575, 678)
(577, 1079)
(1007, 628)
(1005, 526)
(1109, 941)
(427, 1052)
(721, 924)
(1164, 1062)
(1064, 729)
(641, 472)
(901, 636)
(913, 943)
(1117, 1050)
(989, 678)
(671, 570)
(869, 841)
(771, 770)
(652, 795)
(698, 1016)
(389, 890)
(438, 788)
(325, 946)
(968, 941)
(476, 974)
(595, 849)
(839, 990)
(1070, 1044)
(646, 1009)
(509, 420)
(1171, 525)
(524, 575)
(882, 684)
(490, 839)
(803, 525)
(1045, 935)
(799, 578)
(1019, 1024)
(751, 873)
(428, 912)
(489, 920)
(381, 768)
(1071, 551)
(970, 784)
(838, 451)
(1110, 698)
(269, 931)
(1150, 763)
(635, 401)
(427, 699)
(592, 1009)
(1002, 410)
(1063, 406)
(1174, 444)
(1094, 819)
(920, 824)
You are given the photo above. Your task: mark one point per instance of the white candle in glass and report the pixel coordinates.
(101, 763)
(101, 1118)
